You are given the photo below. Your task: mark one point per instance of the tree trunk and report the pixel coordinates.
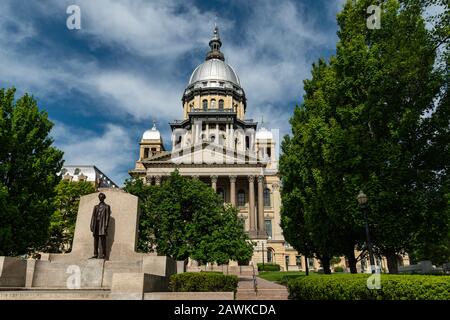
(306, 266)
(351, 261)
(326, 265)
(392, 262)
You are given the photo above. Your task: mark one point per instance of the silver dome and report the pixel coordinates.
(214, 69)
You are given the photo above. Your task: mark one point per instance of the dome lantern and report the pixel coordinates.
(215, 45)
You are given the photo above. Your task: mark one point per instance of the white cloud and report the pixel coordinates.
(272, 54)
(146, 28)
(113, 151)
(137, 96)
(282, 42)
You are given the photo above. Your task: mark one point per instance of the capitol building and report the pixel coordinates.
(214, 142)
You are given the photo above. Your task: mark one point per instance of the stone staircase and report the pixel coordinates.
(266, 290)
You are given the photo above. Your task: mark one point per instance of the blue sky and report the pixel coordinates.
(131, 60)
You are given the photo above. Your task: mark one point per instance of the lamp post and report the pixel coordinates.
(262, 251)
(362, 200)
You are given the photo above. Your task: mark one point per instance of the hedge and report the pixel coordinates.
(268, 267)
(203, 282)
(354, 287)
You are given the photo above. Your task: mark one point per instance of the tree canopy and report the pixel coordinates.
(62, 222)
(375, 117)
(185, 218)
(29, 164)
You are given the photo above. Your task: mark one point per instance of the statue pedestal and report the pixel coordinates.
(76, 270)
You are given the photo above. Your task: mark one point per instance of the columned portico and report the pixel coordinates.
(214, 182)
(261, 231)
(251, 206)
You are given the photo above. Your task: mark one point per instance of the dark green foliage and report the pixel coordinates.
(62, 223)
(185, 218)
(268, 267)
(375, 117)
(28, 174)
(354, 287)
(203, 282)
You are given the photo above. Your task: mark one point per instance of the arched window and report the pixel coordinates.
(269, 255)
(205, 104)
(220, 104)
(268, 227)
(213, 103)
(266, 197)
(241, 198)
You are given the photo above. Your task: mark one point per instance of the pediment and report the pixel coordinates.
(205, 153)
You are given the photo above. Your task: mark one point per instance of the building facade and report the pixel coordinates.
(88, 173)
(216, 143)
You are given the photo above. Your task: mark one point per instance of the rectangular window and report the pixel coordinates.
(298, 261)
(287, 261)
(268, 224)
(311, 262)
(241, 198)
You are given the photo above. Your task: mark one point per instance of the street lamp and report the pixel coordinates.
(362, 200)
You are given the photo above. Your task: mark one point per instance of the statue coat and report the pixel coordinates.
(100, 219)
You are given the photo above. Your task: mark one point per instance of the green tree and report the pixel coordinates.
(185, 218)
(62, 222)
(375, 117)
(28, 174)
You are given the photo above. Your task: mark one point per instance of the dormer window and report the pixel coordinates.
(205, 104)
(220, 104)
(213, 103)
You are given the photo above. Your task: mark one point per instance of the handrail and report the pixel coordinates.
(255, 286)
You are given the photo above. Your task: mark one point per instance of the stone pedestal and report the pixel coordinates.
(12, 272)
(122, 230)
(126, 271)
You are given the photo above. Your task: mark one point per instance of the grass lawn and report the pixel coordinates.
(282, 276)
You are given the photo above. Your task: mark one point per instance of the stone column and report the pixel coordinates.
(233, 190)
(158, 180)
(214, 182)
(261, 226)
(251, 205)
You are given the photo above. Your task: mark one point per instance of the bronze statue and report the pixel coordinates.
(99, 225)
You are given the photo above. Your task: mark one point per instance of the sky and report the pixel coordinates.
(104, 84)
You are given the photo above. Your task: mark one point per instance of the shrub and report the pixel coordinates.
(203, 282)
(354, 287)
(268, 267)
(339, 269)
